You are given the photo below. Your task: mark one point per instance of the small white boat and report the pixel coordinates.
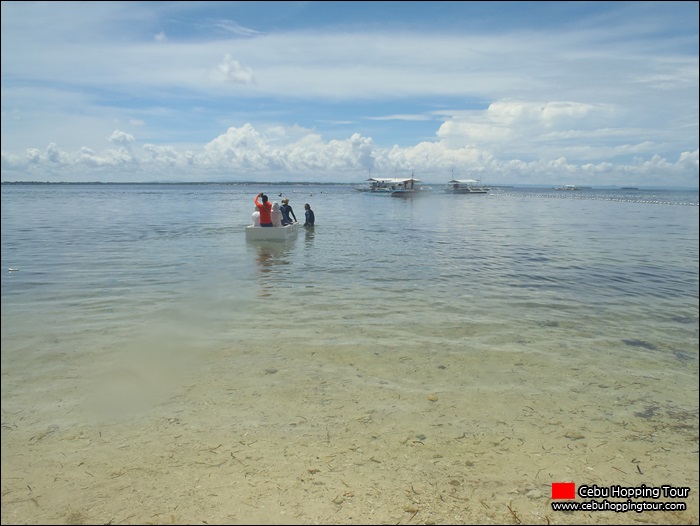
(381, 185)
(394, 186)
(465, 186)
(271, 233)
(407, 187)
(568, 187)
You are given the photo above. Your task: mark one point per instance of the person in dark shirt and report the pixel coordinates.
(287, 212)
(310, 216)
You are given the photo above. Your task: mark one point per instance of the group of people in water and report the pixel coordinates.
(272, 214)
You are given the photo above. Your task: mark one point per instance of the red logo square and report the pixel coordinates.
(563, 490)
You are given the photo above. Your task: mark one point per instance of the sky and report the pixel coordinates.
(587, 93)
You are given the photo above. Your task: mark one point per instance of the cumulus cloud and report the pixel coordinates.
(230, 70)
(507, 119)
(121, 138)
(281, 153)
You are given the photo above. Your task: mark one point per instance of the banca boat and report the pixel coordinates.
(465, 186)
(389, 185)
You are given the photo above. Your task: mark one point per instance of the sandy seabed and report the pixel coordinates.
(344, 436)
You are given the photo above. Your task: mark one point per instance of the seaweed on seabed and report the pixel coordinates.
(683, 416)
(642, 344)
(685, 419)
(648, 412)
(685, 357)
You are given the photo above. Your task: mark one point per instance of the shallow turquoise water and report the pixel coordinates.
(107, 265)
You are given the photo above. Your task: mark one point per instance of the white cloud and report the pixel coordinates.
(278, 155)
(230, 70)
(611, 96)
(121, 138)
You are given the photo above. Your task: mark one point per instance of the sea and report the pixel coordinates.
(124, 304)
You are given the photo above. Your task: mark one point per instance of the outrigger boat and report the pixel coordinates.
(407, 188)
(382, 185)
(465, 186)
(395, 186)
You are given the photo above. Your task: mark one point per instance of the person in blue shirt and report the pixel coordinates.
(310, 216)
(287, 211)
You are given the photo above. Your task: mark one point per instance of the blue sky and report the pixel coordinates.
(589, 93)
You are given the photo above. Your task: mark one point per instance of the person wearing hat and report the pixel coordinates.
(287, 211)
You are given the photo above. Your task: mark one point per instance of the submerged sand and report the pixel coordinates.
(340, 435)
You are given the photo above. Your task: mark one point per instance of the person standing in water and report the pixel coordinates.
(264, 208)
(287, 212)
(310, 216)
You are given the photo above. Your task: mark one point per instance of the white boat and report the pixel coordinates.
(407, 188)
(568, 187)
(381, 185)
(465, 186)
(387, 185)
(271, 233)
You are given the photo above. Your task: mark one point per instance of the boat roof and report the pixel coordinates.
(393, 180)
(453, 181)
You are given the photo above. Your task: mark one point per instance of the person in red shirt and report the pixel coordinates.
(264, 208)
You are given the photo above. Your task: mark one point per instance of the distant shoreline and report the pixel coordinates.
(171, 183)
(308, 183)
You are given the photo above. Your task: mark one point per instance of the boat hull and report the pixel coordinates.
(468, 191)
(411, 192)
(275, 233)
(403, 193)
